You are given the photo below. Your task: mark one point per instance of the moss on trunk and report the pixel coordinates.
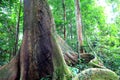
(61, 71)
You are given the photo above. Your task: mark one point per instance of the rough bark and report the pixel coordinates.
(36, 50)
(40, 55)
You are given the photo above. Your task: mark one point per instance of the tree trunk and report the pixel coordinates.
(64, 18)
(70, 56)
(40, 56)
(11, 71)
(17, 31)
(79, 26)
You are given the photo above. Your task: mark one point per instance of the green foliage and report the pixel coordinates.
(74, 70)
(100, 38)
(8, 20)
(57, 10)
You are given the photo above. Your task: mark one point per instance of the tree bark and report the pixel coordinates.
(11, 71)
(79, 26)
(40, 55)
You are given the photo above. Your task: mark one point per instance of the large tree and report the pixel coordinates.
(39, 55)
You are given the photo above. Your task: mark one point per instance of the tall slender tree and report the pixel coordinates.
(17, 30)
(64, 18)
(79, 26)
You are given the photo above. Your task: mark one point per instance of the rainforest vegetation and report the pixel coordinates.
(59, 40)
